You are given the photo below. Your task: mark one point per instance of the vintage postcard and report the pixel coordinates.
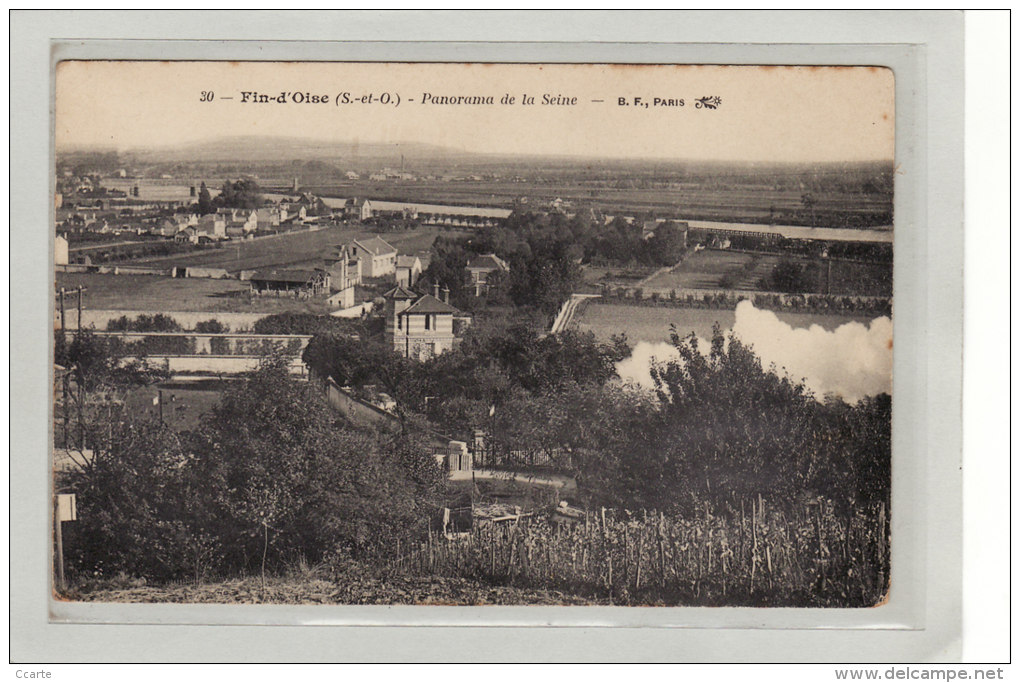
(336, 333)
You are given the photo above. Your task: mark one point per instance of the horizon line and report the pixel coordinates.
(168, 146)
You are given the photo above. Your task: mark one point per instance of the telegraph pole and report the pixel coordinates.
(81, 293)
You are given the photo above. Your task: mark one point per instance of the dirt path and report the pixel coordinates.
(559, 481)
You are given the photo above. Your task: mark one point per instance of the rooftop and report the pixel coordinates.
(429, 304)
(284, 275)
(375, 246)
(488, 262)
(400, 292)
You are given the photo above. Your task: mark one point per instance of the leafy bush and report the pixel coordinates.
(144, 323)
(211, 327)
(790, 276)
(273, 474)
(303, 323)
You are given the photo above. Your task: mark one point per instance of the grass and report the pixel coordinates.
(866, 279)
(302, 249)
(720, 269)
(528, 496)
(290, 250)
(651, 323)
(184, 403)
(287, 250)
(357, 586)
(703, 270)
(158, 293)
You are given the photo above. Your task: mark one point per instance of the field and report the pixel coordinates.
(719, 269)
(616, 276)
(694, 200)
(157, 293)
(184, 402)
(706, 270)
(866, 279)
(290, 250)
(651, 323)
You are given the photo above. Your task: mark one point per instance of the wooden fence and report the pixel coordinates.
(755, 555)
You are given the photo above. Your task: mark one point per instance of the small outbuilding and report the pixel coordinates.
(307, 282)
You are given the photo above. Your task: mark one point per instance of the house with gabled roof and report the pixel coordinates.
(481, 267)
(212, 225)
(358, 208)
(268, 218)
(419, 326)
(378, 258)
(239, 222)
(344, 273)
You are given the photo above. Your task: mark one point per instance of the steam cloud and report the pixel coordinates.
(853, 361)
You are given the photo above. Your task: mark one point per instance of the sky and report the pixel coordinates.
(763, 113)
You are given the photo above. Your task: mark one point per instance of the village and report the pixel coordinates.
(480, 337)
(358, 281)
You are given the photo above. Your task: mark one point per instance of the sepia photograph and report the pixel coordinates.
(472, 334)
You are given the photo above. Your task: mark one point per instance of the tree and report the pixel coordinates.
(211, 326)
(790, 276)
(809, 202)
(239, 194)
(273, 474)
(135, 513)
(305, 323)
(448, 269)
(666, 245)
(205, 202)
(723, 429)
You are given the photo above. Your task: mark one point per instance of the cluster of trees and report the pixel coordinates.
(792, 276)
(272, 476)
(718, 427)
(498, 365)
(544, 252)
(93, 364)
(722, 429)
(309, 323)
(236, 194)
(621, 243)
(144, 323)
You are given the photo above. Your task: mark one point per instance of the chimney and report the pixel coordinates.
(446, 295)
(435, 290)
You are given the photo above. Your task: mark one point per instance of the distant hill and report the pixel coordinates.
(308, 156)
(252, 148)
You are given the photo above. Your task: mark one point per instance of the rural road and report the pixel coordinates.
(566, 313)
